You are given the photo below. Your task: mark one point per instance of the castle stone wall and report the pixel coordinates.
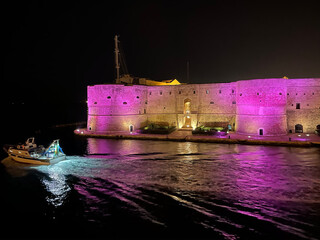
(261, 106)
(116, 107)
(303, 104)
(249, 106)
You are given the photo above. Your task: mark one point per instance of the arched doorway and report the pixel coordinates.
(298, 128)
(318, 130)
(187, 112)
(187, 106)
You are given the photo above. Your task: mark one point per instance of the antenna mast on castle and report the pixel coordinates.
(188, 72)
(116, 54)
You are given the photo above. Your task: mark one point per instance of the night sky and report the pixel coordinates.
(54, 49)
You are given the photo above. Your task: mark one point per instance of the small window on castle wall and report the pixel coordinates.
(149, 93)
(138, 97)
(108, 97)
(124, 102)
(170, 93)
(280, 93)
(288, 94)
(194, 92)
(95, 103)
(219, 91)
(240, 94)
(313, 93)
(257, 93)
(234, 102)
(207, 91)
(179, 92)
(211, 102)
(232, 91)
(160, 92)
(297, 105)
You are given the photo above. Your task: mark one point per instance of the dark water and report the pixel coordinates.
(152, 189)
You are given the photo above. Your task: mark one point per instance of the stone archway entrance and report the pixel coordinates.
(187, 113)
(298, 128)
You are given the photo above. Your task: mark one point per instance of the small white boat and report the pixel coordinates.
(30, 153)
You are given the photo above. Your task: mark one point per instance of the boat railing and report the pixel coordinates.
(54, 149)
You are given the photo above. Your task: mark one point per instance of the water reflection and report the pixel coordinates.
(55, 183)
(230, 170)
(220, 188)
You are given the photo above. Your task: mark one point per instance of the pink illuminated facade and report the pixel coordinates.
(255, 107)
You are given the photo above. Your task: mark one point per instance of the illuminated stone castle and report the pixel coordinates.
(275, 106)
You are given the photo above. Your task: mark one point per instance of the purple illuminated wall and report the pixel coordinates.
(306, 93)
(259, 106)
(115, 107)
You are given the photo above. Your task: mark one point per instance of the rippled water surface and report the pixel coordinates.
(154, 189)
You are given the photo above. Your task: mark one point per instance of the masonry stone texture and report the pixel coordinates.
(266, 107)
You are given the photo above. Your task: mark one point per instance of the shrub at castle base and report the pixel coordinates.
(154, 128)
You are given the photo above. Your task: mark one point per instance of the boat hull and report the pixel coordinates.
(21, 159)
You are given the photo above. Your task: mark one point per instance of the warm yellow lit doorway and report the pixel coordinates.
(187, 113)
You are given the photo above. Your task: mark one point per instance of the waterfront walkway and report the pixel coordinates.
(301, 140)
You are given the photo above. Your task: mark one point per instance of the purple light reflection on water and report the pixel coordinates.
(251, 170)
(226, 191)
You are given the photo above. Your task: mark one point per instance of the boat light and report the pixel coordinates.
(307, 135)
(249, 136)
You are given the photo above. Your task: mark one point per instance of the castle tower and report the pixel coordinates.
(113, 107)
(261, 107)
